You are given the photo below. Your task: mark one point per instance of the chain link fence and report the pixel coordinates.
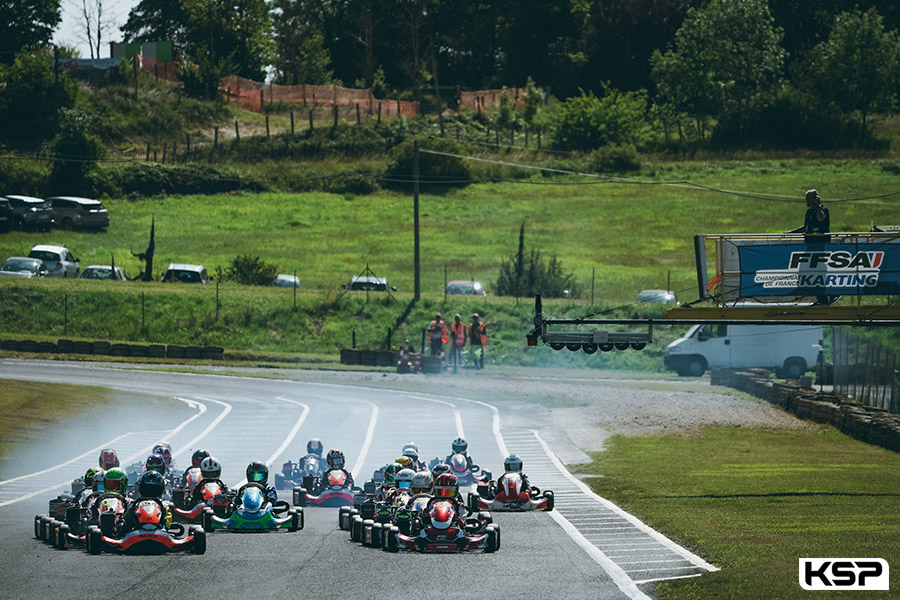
(865, 371)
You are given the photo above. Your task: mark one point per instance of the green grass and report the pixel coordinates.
(752, 502)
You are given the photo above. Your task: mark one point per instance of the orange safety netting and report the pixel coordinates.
(482, 100)
(252, 95)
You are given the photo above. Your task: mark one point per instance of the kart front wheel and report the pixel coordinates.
(62, 536)
(94, 540)
(473, 501)
(343, 513)
(37, 526)
(391, 544)
(206, 519)
(356, 529)
(548, 495)
(493, 539)
(199, 545)
(378, 535)
(107, 522)
(296, 515)
(300, 496)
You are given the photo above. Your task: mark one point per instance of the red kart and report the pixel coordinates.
(442, 531)
(184, 508)
(512, 494)
(334, 491)
(151, 536)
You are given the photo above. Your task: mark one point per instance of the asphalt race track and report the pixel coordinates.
(587, 548)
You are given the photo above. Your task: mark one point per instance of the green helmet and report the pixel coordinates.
(116, 480)
(89, 477)
(390, 473)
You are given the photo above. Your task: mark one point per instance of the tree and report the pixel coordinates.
(157, 20)
(32, 96)
(76, 153)
(300, 55)
(587, 122)
(525, 274)
(855, 68)
(727, 60)
(96, 22)
(24, 23)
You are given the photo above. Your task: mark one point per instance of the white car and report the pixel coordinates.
(288, 281)
(658, 296)
(102, 272)
(58, 260)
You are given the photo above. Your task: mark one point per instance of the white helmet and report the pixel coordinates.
(404, 478)
(411, 451)
(210, 468)
(512, 463)
(422, 483)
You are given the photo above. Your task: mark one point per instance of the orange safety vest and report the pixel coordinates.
(459, 332)
(480, 332)
(434, 327)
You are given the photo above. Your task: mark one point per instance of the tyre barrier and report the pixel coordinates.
(65, 346)
(350, 356)
(117, 349)
(367, 357)
(193, 352)
(213, 353)
(28, 346)
(386, 358)
(12, 345)
(173, 351)
(46, 347)
(432, 364)
(102, 347)
(137, 350)
(82, 347)
(156, 351)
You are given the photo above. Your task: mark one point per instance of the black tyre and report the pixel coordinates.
(550, 500)
(391, 544)
(378, 535)
(45, 525)
(473, 501)
(694, 366)
(94, 540)
(66, 224)
(62, 537)
(199, 545)
(557, 346)
(794, 368)
(54, 532)
(178, 498)
(356, 529)
(638, 345)
(622, 345)
(605, 347)
(589, 348)
(343, 513)
(107, 523)
(279, 481)
(296, 519)
(573, 346)
(37, 526)
(485, 517)
(492, 538)
(300, 496)
(366, 527)
(206, 519)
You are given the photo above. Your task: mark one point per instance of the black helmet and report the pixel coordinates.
(335, 459)
(512, 463)
(156, 462)
(314, 446)
(258, 472)
(459, 445)
(151, 484)
(198, 457)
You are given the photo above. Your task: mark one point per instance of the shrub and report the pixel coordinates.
(522, 275)
(437, 173)
(248, 270)
(588, 122)
(616, 158)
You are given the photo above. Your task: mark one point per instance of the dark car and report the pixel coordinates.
(31, 213)
(7, 218)
(70, 212)
(22, 266)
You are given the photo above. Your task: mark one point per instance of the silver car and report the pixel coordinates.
(103, 272)
(20, 266)
(70, 212)
(58, 260)
(30, 212)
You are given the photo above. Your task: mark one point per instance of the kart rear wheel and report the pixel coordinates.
(485, 517)
(45, 525)
(296, 519)
(37, 526)
(550, 500)
(300, 496)
(94, 540)
(473, 501)
(378, 535)
(62, 536)
(343, 513)
(279, 481)
(178, 498)
(391, 544)
(53, 531)
(107, 523)
(367, 526)
(356, 528)
(199, 545)
(206, 519)
(493, 539)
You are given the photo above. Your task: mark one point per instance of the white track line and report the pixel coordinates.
(70, 461)
(142, 453)
(290, 436)
(209, 427)
(190, 403)
(370, 435)
(456, 414)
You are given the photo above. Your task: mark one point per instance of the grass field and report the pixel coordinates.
(753, 502)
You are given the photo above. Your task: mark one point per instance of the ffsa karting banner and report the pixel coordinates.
(819, 269)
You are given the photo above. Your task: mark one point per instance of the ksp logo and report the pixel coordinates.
(843, 574)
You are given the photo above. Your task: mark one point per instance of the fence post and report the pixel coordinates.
(217, 299)
(292, 122)
(357, 114)
(353, 344)
(262, 100)
(143, 326)
(441, 123)
(187, 141)
(526, 136)
(237, 132)
(66, 316)
(216, 138)
(379, 113)
(539, 137)
(334, 125)
(267, 126)
(165, 145)
(148, 152)
(310, 113)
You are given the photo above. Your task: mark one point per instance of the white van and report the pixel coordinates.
(791, 349)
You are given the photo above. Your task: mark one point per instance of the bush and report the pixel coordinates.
(437, 173)
(615, 158)
(248, 270)
(588, 122)
(522, 275)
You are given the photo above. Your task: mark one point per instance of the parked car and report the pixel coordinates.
(183, 273)
(70, 212)
(7, 217)
(58, 260)
(21, 266)
(31, 213)
(466, 287)
(103, 272)
(288, 281)
(658, 296)
(368, 283)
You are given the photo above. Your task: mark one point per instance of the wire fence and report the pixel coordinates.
(866, 371)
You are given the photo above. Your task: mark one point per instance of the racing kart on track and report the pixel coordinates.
(335, 491)
(427, 535)
(459, 466)
(101, 508)
(299, 474)
(255, 514)
(184, 509)
(151, 535)
(511, 495)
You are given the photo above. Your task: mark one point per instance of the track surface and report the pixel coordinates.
(586, 549)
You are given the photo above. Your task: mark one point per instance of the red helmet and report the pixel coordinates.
(164, 450)
(441, 515)
(459, 464)
(108, 459)
(314, 446)
(512, 485)
(446, 486)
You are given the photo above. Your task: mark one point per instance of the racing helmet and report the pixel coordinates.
(446, 486)
(198, 456)
(210, 468)
(440, 469)
(116, 480)
(335, 459)
(459, 446)
(314, 446)
(411, 450)
(89, 477)
(252, 499)
(258, 472)
(108, 459)
(164, 450)
(404, 461)
(441, 515)
(390, 474)
(512, 463)
(404, 478)
(155, 462)
(99, 478)
(151, 484)
(422, 483)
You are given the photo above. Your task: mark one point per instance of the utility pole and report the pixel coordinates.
(418, 289)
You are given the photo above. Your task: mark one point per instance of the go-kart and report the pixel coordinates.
(511, 495)
(152, 534)
(213, 495)
(254, 513)
(299, 474)
(334, 491)
(478, 533)
(99, 508)
(459, 466)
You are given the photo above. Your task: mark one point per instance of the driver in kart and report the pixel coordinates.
(196, 458)
(412, 451)
(164, 449)
(513, 464)
(335, 461)
(460, 446)
(403, 482)
(211, 470)
(115, 481)
(108, 459)
(314, 449)
(258, 472)
(90, 486)
(446, 486)
(151, 486)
